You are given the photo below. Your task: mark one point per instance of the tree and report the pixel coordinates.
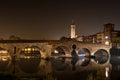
(65, 38)
(12, 37)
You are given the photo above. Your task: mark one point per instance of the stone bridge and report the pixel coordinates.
(46, 47)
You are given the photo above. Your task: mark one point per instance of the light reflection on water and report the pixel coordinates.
(29, 65)
(68, 69)
(4, 65)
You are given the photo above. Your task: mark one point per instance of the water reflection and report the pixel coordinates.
(101, 56)
(74, 68)
(83, 62)
(73, 62)
(4, 59)
(80, 62)
(4, 65)
(58, 65)
(59, 70)
(115, 71)
(115, 63)
(91, 71)
(30, 65)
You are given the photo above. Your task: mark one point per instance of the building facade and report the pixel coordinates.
(109, 36)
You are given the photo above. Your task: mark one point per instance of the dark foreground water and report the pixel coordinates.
(61, 69)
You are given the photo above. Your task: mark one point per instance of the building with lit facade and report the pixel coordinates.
(109, 36)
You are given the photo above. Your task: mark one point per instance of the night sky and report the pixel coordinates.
(51, 19)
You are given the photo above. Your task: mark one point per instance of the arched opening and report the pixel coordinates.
(30, 65)
(4, 54)
(29, 59)
(59, 53)
(84, 52)
(30, 52)
(84, 57)
(101, 56)
(81, 59)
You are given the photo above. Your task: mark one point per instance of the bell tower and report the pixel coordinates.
(73, 33)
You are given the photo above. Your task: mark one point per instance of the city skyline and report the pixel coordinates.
(52, 19)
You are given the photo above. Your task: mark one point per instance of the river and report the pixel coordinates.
(62, 69)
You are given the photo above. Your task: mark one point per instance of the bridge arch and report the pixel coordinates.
(60, 52)
(84, 52)
(84, 57)
(30, 52)
(101, 56)
(4, 54)
(61, 49)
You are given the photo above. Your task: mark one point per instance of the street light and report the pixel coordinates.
(106, 37)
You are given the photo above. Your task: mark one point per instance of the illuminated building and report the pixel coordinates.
(73, 35)
(109, 36)
(99, 37)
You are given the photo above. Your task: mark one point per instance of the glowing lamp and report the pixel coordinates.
(56, 51)
(107, 43)
(106, 37)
